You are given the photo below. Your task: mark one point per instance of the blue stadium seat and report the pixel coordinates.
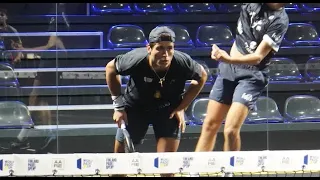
(183, 38)
(199, 110)
(302, 108)
(107, 8)
(126, 36)
(301, 34)
(230, 7)
(9, 84)
(311, 7)
(312, 69)
(14, 115)
(284, 70)
(266, 112)
(196, 7)
(292, 7)
(8, 78)
(209, 34)
(153, 7)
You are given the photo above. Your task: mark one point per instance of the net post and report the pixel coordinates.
(180, 170)
(223, 171)
(303, 168)
(97, 172)
(263, 169)
(54, 172)
(139, 171)
(11, 172)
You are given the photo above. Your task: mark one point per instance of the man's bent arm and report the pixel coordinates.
(113, 79)
(193, 91)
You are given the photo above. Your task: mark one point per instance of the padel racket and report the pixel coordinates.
(128, 144)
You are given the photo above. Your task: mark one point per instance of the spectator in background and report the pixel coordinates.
(48, 78)
(8, 42)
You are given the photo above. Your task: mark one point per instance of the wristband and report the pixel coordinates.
(118, 103)
(115, 97)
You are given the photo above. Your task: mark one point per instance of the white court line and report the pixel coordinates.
(75, 69)
(66, 87)
(100, 34)
(76, 126)
(64, 50)
(78, 69)
(70, 107)
(52, 33)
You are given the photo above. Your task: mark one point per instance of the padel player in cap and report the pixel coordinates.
(155, 91)
(243, 74)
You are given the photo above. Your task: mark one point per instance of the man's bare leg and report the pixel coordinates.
(235, 118)
(216, 112)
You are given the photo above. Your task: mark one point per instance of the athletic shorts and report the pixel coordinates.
(238, 83)
(139, 121)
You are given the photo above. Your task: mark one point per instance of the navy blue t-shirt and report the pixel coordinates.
(258, 22)
(144, 89)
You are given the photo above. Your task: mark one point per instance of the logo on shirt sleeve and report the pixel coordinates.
(247, 97)
(276, 37)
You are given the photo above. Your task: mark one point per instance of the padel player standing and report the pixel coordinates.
(261, 28)
(155, 92)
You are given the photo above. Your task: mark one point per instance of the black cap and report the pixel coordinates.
(161, 33)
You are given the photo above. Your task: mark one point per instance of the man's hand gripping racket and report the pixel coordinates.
(120, 117)
(128, 144)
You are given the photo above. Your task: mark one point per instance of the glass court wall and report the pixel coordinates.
(54, 96)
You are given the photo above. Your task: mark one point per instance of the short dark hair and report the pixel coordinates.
(4, 11)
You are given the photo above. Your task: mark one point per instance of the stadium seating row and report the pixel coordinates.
(138, 8)
(107, 8)
(298, 108)
(281, 69)
(285, 69)
(130, 36)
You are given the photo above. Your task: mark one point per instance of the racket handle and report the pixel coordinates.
(123, 124)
